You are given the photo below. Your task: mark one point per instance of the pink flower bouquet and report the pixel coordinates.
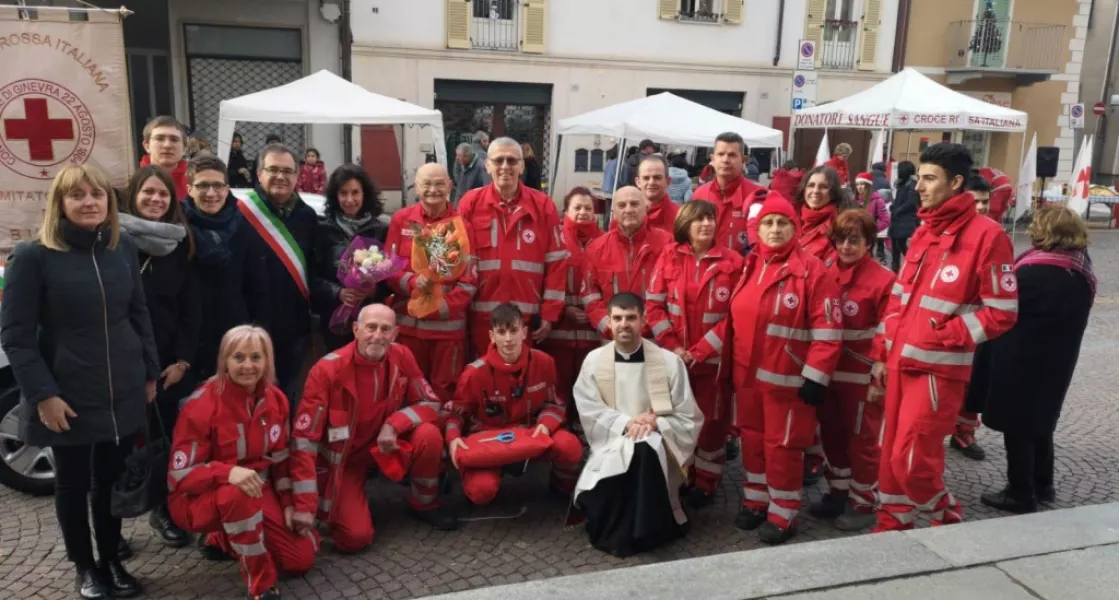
(362, 267)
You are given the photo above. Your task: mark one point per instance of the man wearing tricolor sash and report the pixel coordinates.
(287, 226)
(642, 424)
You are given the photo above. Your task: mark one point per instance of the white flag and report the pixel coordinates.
(1027, 175)
(1081, 181)
(824, 153)
(879, 152)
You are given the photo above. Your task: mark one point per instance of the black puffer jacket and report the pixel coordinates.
(171, 288)
(75, 324)
(903, 210)
(330, 244)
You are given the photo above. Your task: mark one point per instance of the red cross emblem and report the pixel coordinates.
(904, 119)
(38, 129)
(1083, 182)
(43, 126)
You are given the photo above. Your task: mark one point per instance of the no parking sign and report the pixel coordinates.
(806, 58)
(804, 89)
(1076, 116)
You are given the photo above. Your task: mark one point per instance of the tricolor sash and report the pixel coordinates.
(274, 233)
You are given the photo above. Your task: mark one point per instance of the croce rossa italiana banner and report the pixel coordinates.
(63, 100)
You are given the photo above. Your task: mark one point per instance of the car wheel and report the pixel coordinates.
(23, 467)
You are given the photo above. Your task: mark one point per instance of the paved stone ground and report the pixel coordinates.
(409, 560)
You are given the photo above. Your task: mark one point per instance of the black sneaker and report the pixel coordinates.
(749, 520)
(439, 519)
(813, 471)
(732, 450)
(1004, 500)
(966, 444)
(773, 534)
(212, 553)
(829, 507)
(272, 594)
(698, 498)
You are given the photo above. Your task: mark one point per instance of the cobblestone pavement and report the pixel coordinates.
(409, 560)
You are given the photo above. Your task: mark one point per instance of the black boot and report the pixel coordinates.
(773, 534)
(439, 519)
(698, 498)
(162, 524)
(272, 594)
(1004, 499)
(749, 520)
(91, 584)
(966, 444)
(124, 551)
(1047, 494)
(829, 507)
(212, 553)
(121, 583)
(813, 470)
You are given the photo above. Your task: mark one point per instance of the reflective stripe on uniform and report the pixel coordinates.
(810, 372)
(975, 328)
(785, 513)
(713, 339)
(712, 318)
(527, 266)
(656, 297)
(304, 487)
(756, 478)
(935, 357)
(789, 333)
(708, 466)
(793, 381)
(675, 310)
(244, 525)
(661, 327)
(755, 495)
(489, 265)
(242, 443)
(846, 377)
(304, 445)
(852, 335)
(1007, 304)
(556, 255)
(256, 549)
(525, 307)
(554, 295)
(423, 325)
(279, 455)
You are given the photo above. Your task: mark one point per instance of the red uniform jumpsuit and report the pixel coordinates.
(438, 341)
(851, 427)
(815, 239)
(222, 426)
(569, 342)
(736, 207)
(492, 395)
(1002, 192)
(619, 264)
(661, 215)
(956, 289)
(785, 325)
(688, 297)
(346, 401)
(520, 255)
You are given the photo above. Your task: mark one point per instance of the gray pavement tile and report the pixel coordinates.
(1091, 574)
(987, 583)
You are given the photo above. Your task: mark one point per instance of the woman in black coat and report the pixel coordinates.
(353, 205)
(154, 219)
(239, 174)
(903, 212)
(1030, 367)
(534, 173)
(75, 326)
(233, 286)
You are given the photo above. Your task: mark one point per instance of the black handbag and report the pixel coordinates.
(143, 483)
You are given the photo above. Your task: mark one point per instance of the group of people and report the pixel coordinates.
(740, 314)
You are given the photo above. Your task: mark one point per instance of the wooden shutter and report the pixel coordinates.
(868, 42)
(733, 12)
(669, 9)
(814, 25)
(458, 24)
(534, 21)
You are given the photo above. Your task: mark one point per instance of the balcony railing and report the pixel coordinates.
(701, 11)
(839, 50)
(496, 25)
(1002, 45)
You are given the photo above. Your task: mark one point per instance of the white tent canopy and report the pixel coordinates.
(324, 97)
(666, 118)
(909, 100)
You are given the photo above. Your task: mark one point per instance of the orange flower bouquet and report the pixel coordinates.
(440, 252)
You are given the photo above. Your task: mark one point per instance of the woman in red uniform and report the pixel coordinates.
(573, 337)
(689, 294)
(851, 418)
(229, 465)
(780, 341)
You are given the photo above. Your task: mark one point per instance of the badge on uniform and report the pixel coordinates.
(408, 232)
(1007, 268)
(337, 434)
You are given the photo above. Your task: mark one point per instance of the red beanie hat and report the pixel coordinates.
(393, 465)
(865, 177)
(775, 203)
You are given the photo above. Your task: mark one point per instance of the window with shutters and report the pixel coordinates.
(597, 160)
(581, 160)
(838, 50)
(495, 24)
(701, 11)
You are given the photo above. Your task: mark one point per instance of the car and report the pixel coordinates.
(23, 467)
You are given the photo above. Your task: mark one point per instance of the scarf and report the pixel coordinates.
(813, 218)
(936, 220)
(154, 238)
(351, 225)
(495, 361)
(1073, 260)
(779, 254)
(847, 272)
(213, 232)
(581, 233)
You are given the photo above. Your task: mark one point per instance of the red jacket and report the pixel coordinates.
(489, 382)
(688, 297)
(447, 324)
(1002, 191)
(312, 178)
(619, 264)
(954, 291)
(519, 249)
(840, 165)
(797, 329)
(866, 287)
(325, 420)
(786, 182)
(178, 176)
(218, 430)
(736, 213)
(567, 331)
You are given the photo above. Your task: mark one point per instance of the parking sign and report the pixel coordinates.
(1076, 116)
(806, 58)
(804, 89)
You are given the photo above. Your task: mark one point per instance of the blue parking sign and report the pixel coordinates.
(798, 103)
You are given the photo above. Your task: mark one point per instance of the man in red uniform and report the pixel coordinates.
(1000, 192)
(438, 340)
(732, 194)
(517, 238)
(623, 259)
(165, 143)
(956, 289)
(368, 396)
(511, 385)
(652, 180)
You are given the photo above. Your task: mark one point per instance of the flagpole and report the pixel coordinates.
(1021, 163)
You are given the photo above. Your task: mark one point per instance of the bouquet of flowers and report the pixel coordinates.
(440, 252)
(362, 267)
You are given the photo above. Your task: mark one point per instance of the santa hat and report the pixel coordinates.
(775, 203)
(865, 177)
(393, 465)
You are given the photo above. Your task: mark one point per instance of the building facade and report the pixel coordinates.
(1101, 20)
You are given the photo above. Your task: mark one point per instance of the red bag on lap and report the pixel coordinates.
(500, 447)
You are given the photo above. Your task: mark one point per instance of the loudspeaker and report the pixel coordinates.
(1047, 161)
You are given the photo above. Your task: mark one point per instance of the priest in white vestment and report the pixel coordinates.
(642, 424)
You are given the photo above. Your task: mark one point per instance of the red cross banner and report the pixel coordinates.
(63, 100)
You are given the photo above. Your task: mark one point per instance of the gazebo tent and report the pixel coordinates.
(324, 97)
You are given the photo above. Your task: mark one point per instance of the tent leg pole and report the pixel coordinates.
(908, 142)
(617, 177)
(1017, 177)
(403, 166)
(555, 166)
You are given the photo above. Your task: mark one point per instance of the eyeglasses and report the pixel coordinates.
(280, 171)
(853, 240)
(433, 185)
(205, 186)
(505, 160)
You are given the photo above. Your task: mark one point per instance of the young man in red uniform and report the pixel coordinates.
(652, 180)
(956, 289)
(511, 385)
(438, 340)
(517, 239)
(165, 144)
(623, 259)
(367, 396)
(732, 194)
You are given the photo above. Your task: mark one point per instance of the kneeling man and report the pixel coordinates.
(511, 386)
(642, 424)
(364, 398)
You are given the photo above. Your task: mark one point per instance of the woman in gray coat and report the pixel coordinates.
(75, 326)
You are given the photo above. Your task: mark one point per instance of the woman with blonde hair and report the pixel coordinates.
(75, 326)
(1021, 388)
(534, 173)
(229, 475)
